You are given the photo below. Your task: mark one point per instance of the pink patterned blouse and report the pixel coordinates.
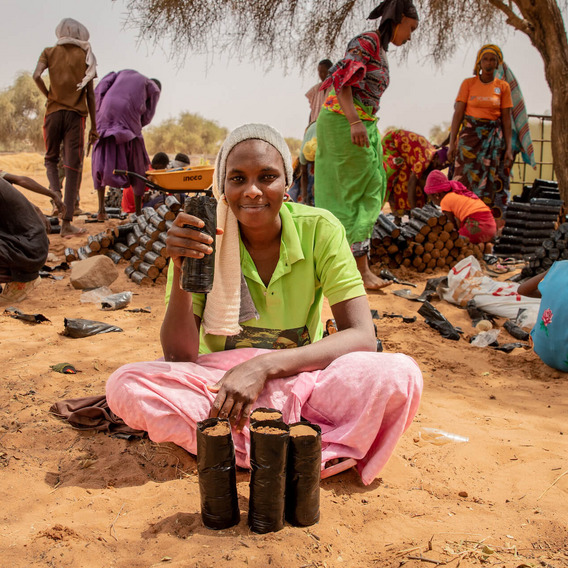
(365, 68)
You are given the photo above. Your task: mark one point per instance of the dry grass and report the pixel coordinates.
(29, 163)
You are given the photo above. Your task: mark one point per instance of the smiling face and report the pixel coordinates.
(404, 30)
(255, 184)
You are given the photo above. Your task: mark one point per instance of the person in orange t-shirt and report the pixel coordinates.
(481, 132)
(462, 207)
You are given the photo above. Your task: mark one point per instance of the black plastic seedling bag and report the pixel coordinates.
(86, 328)
(197, 273)
(216, 469)
(116, 301)
(516, 331)
(508, 347)
(262, 414)
(477, 314)
(30, 318)
(303, 475)
(268, 458)
(437, 321)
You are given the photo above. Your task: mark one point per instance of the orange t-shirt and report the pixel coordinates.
(462, 206)
(485, 100)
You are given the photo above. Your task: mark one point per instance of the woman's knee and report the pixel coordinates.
(381, 367)
(117, 382)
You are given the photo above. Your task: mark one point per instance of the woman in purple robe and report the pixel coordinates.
(125, 102)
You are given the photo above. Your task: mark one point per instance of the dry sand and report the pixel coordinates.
(83, 499)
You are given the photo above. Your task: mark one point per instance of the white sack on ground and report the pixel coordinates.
(466, 282)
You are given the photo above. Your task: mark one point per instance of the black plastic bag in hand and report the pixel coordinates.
(86, 328)
(303, 477)
(197, 273)
(437, 321)
(268, 457)
(216, 469)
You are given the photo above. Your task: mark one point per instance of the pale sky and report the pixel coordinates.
(233, 93)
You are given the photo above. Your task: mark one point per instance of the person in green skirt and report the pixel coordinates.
(350, 180)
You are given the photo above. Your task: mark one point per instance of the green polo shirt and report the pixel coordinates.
(315, 261)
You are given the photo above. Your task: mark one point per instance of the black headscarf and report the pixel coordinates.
(391, 13)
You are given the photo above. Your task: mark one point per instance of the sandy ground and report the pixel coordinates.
(84, 499)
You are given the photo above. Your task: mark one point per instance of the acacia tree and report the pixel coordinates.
(300, 31)
(22, 107)
(188, 133)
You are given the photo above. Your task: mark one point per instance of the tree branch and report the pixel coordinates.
(512, 18)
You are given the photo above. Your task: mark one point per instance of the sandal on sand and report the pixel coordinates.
(497, 269)
(78, 233)
(512, 261)
(490, 259)
(344, 465)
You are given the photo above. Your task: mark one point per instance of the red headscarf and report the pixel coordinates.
(437, 182)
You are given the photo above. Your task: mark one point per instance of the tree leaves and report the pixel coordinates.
(22, 108)
(299, 32)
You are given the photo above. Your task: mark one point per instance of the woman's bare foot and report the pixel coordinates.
(335, 466)
(68, 230)
(370, 280)
(102, 216)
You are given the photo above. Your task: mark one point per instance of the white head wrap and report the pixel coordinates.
(70, 31)
(229, 302)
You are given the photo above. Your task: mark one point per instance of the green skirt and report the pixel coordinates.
(350, 181)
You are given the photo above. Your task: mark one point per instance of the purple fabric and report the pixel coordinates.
(125, 102)
(130, 156)
(442, 154)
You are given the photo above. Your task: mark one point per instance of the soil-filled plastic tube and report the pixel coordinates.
(303, 474)
(261, 414)
(197, 273)
(268, 458)
(217, 474)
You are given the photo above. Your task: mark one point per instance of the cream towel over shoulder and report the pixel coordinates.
(70, 31)
(229, 301)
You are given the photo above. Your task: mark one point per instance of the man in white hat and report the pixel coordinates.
(70, 98)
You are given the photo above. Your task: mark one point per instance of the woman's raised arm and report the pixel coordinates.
(180, 329)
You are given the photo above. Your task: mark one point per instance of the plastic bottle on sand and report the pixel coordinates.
(440, 437)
